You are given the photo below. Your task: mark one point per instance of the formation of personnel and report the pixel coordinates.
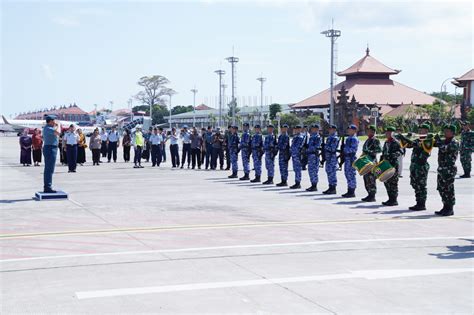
(335, 153)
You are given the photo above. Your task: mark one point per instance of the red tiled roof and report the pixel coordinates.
(368, 64)
(371, 91)
(203, 107)
(468, 76)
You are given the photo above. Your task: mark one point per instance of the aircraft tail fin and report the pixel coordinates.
(5, 120)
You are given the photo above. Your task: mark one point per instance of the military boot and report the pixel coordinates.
(331, 190)
(349, 193)
(256, 179)
(313, 187)
(234, 175)
(369, 198)
(268, 181)
(446, 211)
(245, 177)
(282, 184)
(420, 205)
(296, 186)
(465, 176)
(392, 201)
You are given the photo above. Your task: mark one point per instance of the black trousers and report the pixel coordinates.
(126, 153)
(217, 153)
(37, 155)
(95, 156)
(71, 152)
(112, 151)
(196, 155)
(163, 153)
(208, 154)
(156, 154)
(174, 150)
(103, 148)
(227, 157)
(137, 158)
(186, 153)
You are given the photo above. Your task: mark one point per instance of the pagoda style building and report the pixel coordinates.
(466, 82)
(367, 84)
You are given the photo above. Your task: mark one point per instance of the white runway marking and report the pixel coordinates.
(197, 249)
(364, 274)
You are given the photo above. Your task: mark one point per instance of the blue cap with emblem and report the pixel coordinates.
(284, 126)
(49, 117)
(257, 126)
(333, 127)
(246, 124)
(316, 126)
(353, 127)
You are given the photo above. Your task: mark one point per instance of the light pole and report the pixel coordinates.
(261, 79)
(220, 73)
(233, 60)
(441, 89)
(194, 105)
(333, 35)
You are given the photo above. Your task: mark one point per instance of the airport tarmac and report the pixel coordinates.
(163, 240)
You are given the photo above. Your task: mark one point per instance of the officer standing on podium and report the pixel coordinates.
(50, 151)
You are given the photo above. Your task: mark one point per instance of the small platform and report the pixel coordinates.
(59, 194)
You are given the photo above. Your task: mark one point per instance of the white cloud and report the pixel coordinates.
(47, 71)
(66, 21)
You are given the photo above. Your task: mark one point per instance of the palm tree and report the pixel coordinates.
(212, 119)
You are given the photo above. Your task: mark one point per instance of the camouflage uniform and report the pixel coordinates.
(246, 150)
(350, 151)
(283, 157)
(467, 146)
(257, 151)
(296, 146)
(314, 145)
(233, 146)
(304, 150)
(269, 147)
(370, 149)
(391, 152)
(330, 150)
(419, 166)
(447, 155)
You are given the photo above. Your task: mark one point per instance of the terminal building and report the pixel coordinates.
(68, 113)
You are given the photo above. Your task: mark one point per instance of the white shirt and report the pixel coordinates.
(71, 138)
(156, 139)
(113, 136)
(104, 136)
(173, 139)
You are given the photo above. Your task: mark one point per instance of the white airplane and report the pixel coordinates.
(18, 125)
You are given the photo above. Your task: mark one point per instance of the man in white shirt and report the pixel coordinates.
(186, 137)
(71, 139)
(174, 148)
(156, 141)
(112, 144)
(103, 147)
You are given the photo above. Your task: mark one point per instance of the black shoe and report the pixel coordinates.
(256, 179)
(296, 186)
(369, 198)
(446, 211)
(245, 177)
(233, 175)
(313, 187)
(465, 176)
(140, 166)
(227, 168)
(349, 193)
(420, 206)
(390, 202)
(268, 181)
(49, 191)
(282, 184)
(331, 190)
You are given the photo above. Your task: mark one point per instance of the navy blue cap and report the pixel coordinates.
(50, 117)
(298, 127)
(305, 126)
(257, 126)
(353, 127)
(315, 126)
(270, 126)
(235, 127)
(284, 126)
(333, 127)
(185, 126)
(246, 124)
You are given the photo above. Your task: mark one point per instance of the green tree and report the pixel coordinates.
(181, 109)
(274, 109)
(312, 119)
(212, 119)
(289, 119)
(232, 104)
(470, 117)
(158, 112)
(448, 97)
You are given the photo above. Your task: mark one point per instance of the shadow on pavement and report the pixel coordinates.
(15, 200)
(457, 252)
(369, 206)
(425, 216)
(392, 212)
(353, 202)
(276, 189)
(329, 198)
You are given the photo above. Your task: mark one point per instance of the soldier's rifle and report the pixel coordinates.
(341, 156)
(322, 152)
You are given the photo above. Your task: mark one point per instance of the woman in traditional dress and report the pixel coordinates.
(95, 144)
(37, 141)
(81, 148)
(25, 148)
(127, 144)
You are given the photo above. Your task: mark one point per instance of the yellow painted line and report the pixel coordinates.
(209, 227)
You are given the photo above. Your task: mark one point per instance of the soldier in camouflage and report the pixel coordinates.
(295, 149)
(370, 149)
(283, 155)
(391, 151)
(313, 150)
(304, 153)
(419, 166)
(350, 151)
(467, 146)
(257, 152)
(233, 147)
(245, 147)
(271, 150)
(330, 153)
(447, 155)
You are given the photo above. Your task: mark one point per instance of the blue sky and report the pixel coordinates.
(88, 52)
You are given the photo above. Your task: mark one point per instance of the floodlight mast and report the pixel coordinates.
(333, 35)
